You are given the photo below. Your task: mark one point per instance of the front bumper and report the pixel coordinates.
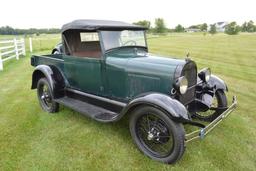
(201, 133)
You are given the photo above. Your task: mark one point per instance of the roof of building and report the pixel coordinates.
(220, 23)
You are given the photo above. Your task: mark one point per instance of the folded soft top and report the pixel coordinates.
(93, 25)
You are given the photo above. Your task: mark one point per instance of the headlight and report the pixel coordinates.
(205, 74)
(182, 84)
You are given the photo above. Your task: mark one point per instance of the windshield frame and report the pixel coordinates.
(104, 50)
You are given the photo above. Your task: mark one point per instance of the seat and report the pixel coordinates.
(89, 54)
(90, 49)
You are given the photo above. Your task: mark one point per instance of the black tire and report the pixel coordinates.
(45, 96)
(157, 135)
(210, 115)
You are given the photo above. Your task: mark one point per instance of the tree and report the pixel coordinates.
(179, 28)
(248, 27)
(160, 25)
(204, 27)
(7, 30)
(244, 27)
(143, 23)
(212, 29)
(251, 27)
(232, 28)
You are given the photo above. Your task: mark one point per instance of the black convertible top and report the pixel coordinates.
(93, 25)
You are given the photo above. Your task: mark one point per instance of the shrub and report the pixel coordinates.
(232, 28)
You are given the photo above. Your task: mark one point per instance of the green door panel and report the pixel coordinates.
(84, 74)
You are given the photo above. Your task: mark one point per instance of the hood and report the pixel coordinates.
(144, 63)
(154, 65)
(156, 60)
(160, 70)
(144, 72)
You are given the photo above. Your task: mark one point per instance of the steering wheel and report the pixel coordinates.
(131, 42)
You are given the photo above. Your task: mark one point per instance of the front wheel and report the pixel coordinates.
(45, 97)
(156, 135)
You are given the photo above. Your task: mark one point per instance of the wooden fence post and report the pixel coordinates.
(1, 62)
(16, 48)
(30, 44)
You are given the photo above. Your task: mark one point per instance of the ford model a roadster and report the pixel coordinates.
(102, 69)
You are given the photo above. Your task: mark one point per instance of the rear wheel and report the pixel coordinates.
(45, 97)
(156, 135)
(218, 105)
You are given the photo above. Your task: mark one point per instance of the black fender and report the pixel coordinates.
(172, 107)
(58, 48)
(54, 77)
(53, 51)
(218, 83)
(204, 97)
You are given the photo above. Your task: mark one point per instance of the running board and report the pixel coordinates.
(92, 111)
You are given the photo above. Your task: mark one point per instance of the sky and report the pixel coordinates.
(53, 14)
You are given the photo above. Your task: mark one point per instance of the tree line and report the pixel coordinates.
(160, 27)
(7, 30)
(231, 28)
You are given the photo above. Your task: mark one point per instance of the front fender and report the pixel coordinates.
(174, 108)
(218, 83)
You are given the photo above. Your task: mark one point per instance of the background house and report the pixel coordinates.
(220, 26)
(192, 30)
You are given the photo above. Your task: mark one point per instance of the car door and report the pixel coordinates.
(84, 73)
(83, 65)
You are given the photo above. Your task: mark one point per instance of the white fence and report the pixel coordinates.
(11, 49)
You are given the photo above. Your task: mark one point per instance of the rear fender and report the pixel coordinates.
(54, 77)
(42, 71)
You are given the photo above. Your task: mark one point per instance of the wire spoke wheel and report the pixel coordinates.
(45, 95)
(45, 98)
(156, 135)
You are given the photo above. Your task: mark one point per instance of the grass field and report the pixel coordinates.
(31, 139)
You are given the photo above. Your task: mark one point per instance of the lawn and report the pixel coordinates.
(31, 139)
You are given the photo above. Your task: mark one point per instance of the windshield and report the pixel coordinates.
(115, 39)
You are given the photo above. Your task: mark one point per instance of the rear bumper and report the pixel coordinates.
(201, 133)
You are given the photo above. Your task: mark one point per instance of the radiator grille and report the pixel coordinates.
(190, 72)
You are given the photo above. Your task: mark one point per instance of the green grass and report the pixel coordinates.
(31, 139)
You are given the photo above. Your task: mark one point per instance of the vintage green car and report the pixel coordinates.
(104, 71)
